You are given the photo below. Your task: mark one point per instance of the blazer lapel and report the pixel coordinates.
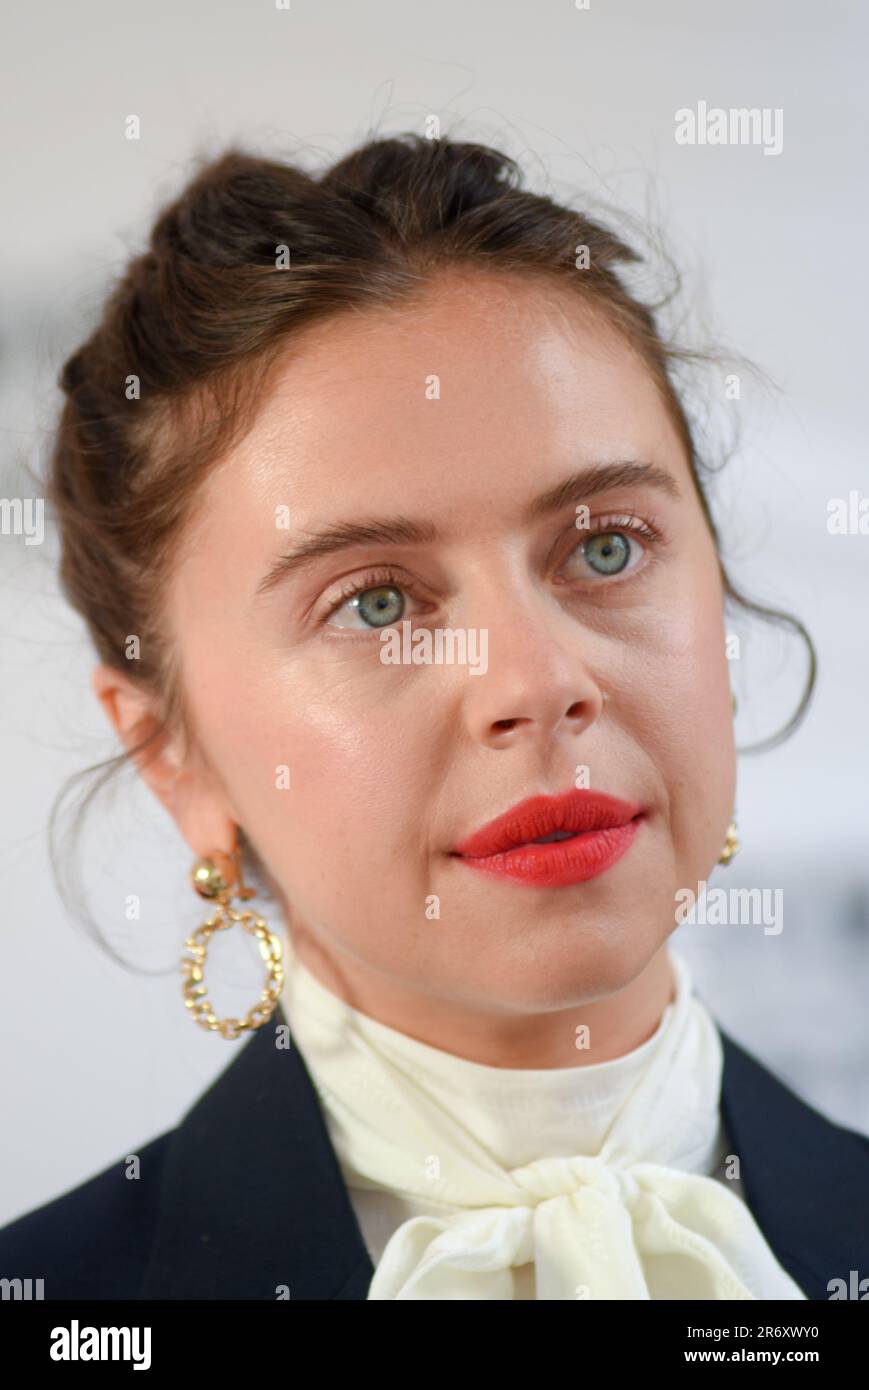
(805, 1178)
(253, 1201)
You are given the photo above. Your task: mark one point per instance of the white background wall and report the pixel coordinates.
(97, 1060)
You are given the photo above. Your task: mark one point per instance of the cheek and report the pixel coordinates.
(322, 771)
(694, 739)
(673, 684)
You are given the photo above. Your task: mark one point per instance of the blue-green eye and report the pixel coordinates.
(377, 607)
(608, 552)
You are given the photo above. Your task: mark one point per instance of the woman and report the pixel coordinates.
(387, 522)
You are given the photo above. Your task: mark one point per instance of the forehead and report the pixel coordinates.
(477, 373)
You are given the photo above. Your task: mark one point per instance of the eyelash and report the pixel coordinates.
(384, 576)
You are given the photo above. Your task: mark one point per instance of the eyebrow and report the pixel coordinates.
(399, 530)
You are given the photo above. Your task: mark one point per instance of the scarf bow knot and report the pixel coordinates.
(546, 1178)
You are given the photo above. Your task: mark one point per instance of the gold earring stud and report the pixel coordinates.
(731, 844)
(218, 878)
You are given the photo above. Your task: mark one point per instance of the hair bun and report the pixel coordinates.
(233, 212)
(448, 178)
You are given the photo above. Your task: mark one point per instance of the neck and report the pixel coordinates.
(617, 1019)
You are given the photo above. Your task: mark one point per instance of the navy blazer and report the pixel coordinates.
(245, 1194)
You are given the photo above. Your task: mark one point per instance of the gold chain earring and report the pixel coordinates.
(218, 877)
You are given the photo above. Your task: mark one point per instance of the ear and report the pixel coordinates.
(178, 777)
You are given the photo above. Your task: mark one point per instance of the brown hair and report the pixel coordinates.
(174, 371)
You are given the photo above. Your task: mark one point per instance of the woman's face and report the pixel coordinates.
(457, 412)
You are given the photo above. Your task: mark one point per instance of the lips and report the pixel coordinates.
(576, 811)
(599, 830)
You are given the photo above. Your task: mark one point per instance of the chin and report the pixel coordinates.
(574, 965)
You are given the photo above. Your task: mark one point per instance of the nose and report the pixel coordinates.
(539, 683)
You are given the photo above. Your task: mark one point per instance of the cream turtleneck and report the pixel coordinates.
(473, 1181)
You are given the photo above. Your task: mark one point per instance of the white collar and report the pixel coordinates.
(518, 1114)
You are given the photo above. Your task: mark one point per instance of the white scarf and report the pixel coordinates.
(619, 1211)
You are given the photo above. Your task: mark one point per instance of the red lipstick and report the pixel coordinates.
(593, 832)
